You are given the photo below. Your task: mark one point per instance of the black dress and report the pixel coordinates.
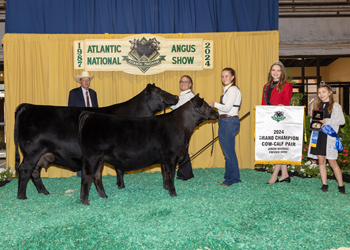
(272, 86)
(321, 146)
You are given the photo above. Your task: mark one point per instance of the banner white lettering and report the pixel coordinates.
(279, 134)
(143, 54)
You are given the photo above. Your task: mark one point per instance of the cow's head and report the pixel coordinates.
(158, 99)
(203, 108)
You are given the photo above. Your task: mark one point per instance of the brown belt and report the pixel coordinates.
(224, 116)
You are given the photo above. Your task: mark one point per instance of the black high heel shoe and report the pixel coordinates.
(324, 188)
(341, 189)
(272, 182)
(285, 180)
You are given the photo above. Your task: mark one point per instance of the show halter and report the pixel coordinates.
(199, 111)
(206, 146)
(207, 117)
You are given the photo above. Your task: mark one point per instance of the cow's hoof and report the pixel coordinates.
(85, 203)
(103, 196)
(21, 197)
(121, 186)
(45, 192)
(173, 194)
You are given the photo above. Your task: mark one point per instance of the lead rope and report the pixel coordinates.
(206, 146)
(212, 145)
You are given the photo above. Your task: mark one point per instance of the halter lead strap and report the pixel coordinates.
(199, 111)
(212, 124)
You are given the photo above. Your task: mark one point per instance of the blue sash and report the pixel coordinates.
(314, 137)
(328, 130)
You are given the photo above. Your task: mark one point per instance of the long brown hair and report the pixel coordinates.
(232, 72)
(283, 78)
(331, 99)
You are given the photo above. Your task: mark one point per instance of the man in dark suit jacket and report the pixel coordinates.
(83, 96)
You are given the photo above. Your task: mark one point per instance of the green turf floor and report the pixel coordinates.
(248, 215)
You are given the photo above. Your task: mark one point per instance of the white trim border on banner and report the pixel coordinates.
(279, 134)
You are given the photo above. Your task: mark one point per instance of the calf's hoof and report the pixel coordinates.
(85, 203)
(103, 195)
(173, 194)
(21, 197)
(121, 186)
(45, 192)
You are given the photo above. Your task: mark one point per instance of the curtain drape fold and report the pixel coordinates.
(139, 16)
(39, 70)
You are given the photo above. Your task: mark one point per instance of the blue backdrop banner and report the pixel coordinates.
(139, 16)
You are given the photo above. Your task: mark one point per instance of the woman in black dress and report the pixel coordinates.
(322, 145)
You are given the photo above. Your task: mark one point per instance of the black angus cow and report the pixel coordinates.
(49, 134)
(134, 143)
(146, 48)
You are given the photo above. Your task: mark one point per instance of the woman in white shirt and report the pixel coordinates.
(185, 167)
(229, 125)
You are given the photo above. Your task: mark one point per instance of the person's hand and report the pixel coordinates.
(280, 105)
(211, 104)
(323, 122)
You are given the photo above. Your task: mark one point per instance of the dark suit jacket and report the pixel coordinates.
(76, 98)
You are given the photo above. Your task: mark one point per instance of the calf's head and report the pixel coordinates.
(159, 99)
(201, 107)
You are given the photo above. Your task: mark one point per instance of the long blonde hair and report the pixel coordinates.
(331, 99)
(283, 78)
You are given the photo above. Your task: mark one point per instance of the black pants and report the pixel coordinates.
(185, 170)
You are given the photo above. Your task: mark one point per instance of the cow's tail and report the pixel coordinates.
(18, 112)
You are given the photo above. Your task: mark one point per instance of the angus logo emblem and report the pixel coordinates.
(144, 54)
(278, 116)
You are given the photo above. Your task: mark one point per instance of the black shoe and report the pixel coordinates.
(324, 188)
(273, 182)
(285, 180)
(181, 178)
(341, 189)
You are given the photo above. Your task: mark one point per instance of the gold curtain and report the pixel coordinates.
(39, 70)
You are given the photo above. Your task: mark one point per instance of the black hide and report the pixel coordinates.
(135, 143)
(49, 134)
